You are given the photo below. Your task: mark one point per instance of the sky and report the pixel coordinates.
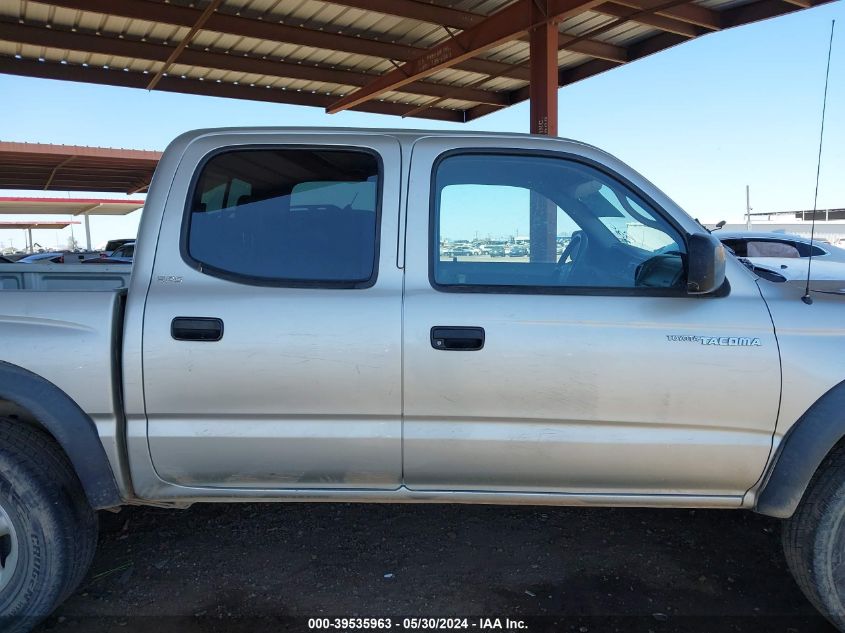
(701, 120)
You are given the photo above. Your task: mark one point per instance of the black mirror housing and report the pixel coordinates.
(705, 264)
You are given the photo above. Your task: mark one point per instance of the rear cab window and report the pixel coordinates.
(286, 216)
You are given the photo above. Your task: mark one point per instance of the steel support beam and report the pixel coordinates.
(543, 112)
(503, 26)
(68, 72)
(40, 35)
(761, 10)
(459, 19)
(201, 20)
(543, 87)
(416, 10)
(588, 69)
(56, 169)
(688, 13)
(670, 25)
(735, 16)
(274, 31)
(87, 233)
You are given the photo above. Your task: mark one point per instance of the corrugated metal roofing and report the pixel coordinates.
(67, 206)
(75, 168)
(313, 52)
(37, 225)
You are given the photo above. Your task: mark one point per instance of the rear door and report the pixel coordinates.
(573, 362)
(271, 346)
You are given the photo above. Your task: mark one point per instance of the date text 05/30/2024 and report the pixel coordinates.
(417, 624)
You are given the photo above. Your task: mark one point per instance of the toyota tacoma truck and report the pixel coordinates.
(292, 330)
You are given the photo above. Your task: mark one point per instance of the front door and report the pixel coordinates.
(271, 347)
(577, 362)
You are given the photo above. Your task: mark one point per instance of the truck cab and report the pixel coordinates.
(306, 319)
(293, 285)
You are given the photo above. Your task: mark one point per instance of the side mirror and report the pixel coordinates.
(705, 264)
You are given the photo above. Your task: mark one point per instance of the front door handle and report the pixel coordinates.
(464, 339)
(196, 329)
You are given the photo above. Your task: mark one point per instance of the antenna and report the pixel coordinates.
(807, 298)
(747, 208)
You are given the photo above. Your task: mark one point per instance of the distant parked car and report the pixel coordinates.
(124, 253)
(753, 244)
(121, 255)
(518, 251)
(113, 245)
(496, 250)
(43, 258)
(795, 269)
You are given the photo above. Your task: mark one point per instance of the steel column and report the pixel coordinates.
(505, 25)
(543, 90)
(543, 40)
(87, 233)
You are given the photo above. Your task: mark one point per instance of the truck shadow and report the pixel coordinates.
(250, 567)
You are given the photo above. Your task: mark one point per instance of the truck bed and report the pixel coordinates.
(64, 276)
(72, 339)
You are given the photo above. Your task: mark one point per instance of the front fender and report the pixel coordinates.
(801, 453)
(69, 425)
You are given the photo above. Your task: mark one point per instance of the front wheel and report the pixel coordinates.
(48, 531)
(814, 540)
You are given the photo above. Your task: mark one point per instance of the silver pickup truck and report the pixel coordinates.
(395, 316)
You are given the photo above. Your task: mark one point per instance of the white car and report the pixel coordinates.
(764, 244)
(795, 269)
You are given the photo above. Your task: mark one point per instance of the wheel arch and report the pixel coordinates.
(34, 399)
(803, 449)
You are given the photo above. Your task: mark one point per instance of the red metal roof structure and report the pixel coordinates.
(30, 226)
(452, 60)
(37, 225)
(44, 167)
(67, 206)
(84, 207)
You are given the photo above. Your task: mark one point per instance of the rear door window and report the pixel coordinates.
(287, 216)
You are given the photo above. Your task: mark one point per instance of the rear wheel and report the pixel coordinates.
(814, 540)
(48, 531)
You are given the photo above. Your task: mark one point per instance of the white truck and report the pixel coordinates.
(291, 331)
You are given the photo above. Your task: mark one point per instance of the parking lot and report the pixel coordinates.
(250, 567)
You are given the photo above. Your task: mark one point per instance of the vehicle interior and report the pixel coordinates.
(599, 252)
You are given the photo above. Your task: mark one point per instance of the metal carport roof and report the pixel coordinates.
(318, 53)
(73, 168)
(84, 207)
(67, 206)
(37, 225)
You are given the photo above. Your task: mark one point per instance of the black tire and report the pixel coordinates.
(54, 529)
(814, 539)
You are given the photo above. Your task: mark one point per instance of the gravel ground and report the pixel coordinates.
(247, 567)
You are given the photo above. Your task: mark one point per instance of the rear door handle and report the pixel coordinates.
(464, 339)
(196, 329)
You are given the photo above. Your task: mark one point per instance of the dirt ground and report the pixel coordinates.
(249, 567)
